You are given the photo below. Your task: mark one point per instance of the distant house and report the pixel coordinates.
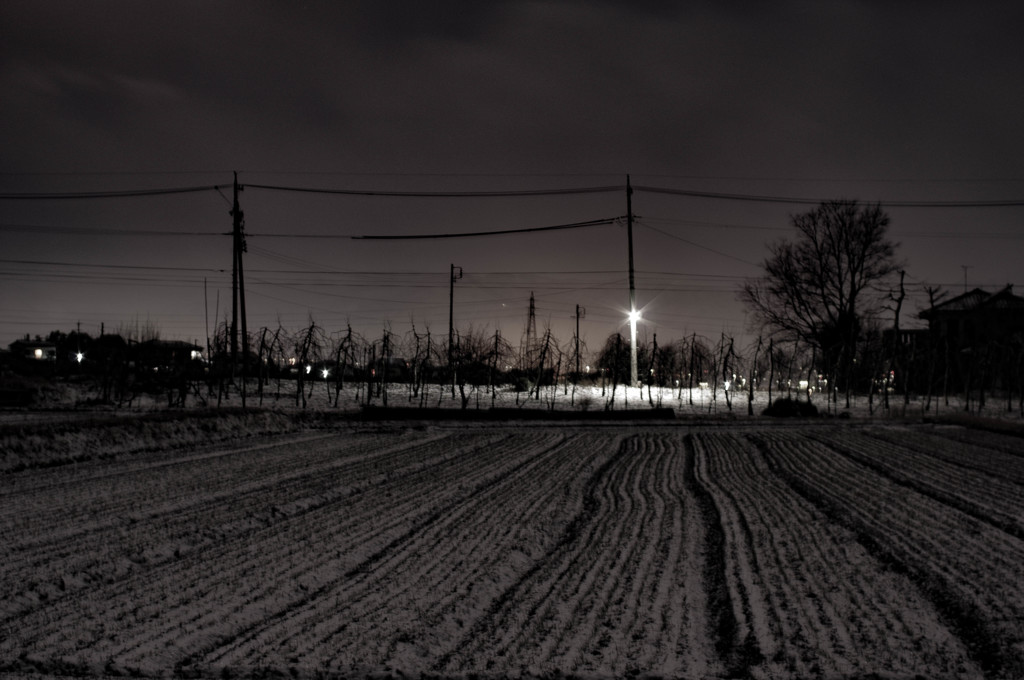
(34, 350)
(978, 337)
(165, 355)
(977, 318)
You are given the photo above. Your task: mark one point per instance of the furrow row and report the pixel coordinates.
(578, 609)
(182, 583)
(993, 456)
(990, 498)
(75, 554)
(472, 546)
(1009, 444)
(969, 570)
(829, 607)
(262, 588)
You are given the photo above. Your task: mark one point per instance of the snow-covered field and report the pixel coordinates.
(746, 548)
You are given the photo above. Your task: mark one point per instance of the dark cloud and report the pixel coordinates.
(722, 96)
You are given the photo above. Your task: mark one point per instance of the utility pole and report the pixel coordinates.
(531, 332)
(451, 323)
(206, 318)
(580, 312)
(238, 286)
(633, 314)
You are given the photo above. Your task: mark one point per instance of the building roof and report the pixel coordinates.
(974, 301)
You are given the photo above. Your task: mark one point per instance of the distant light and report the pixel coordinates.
(79, 357)
(308, 369)
(38, 353)
(325, 373)
(634, 316)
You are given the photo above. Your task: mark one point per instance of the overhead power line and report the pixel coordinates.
(441, 194)
(759, 198)
(111, 266)
(104, 231)
(696, 245)
(996, 203)
(574, 225)
(131, 193)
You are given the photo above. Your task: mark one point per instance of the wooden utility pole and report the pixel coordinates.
(206, 318)
(238, 288)
(580, 312)
(632, 287)
(451, 323)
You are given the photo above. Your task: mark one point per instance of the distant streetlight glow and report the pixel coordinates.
(308, 369)
(79, 356)
(325, 373)
(634, 316)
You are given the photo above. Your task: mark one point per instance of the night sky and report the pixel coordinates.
(877, 101)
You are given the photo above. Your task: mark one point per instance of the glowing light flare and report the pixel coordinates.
(79, 356)
(325, 373)
(635, 316)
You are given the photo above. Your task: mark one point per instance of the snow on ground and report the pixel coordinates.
(260, 544)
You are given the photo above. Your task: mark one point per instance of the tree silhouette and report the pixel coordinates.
(818, 288)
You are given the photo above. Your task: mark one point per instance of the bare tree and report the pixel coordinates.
(752, 377)
(309, 345)
(817, 288)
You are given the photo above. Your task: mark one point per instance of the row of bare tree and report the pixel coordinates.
(419, 369)
(701, 372)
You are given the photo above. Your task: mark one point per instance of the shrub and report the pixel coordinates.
(791, 408)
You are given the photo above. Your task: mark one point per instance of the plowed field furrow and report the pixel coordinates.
(826, 550)
(429, 574)
(99, 493)
(605, 606)
(573, 611)
(278, 545)
(981, 454)
(833, 610)
(402, 561)
(107, 551)
(969, 570)
(572, 596)
(644, 612)
(1010, 444)
(989, 498)
(100, 490)
(743, 585)
(280, 575)
(274, 595)
(180, 498)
